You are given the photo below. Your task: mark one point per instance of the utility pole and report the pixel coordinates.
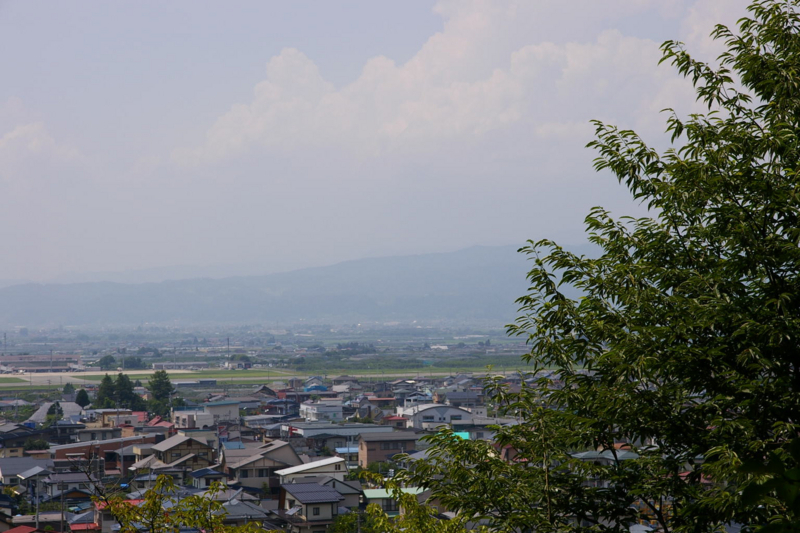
(36, 493)
(61, 490)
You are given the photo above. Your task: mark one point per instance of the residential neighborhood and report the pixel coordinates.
(286, 455)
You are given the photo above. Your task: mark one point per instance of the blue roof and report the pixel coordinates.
(233, 445)
(350, 449)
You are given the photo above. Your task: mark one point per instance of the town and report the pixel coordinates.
(287, 452)
(237, 415)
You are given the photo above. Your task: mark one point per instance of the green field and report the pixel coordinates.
(15, 388)
(211, 374)
(12, 380)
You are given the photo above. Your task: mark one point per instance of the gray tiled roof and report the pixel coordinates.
(11, 466)
(312, 493)
(240, 509)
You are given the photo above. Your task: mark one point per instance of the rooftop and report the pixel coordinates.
(394, 435)
(309, 466)
(312, 493)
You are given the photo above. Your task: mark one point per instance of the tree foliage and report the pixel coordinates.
(54, 413)
(107, 362)
(161, 390)
(82, 398)
(125, 396)
(36, 444)
(69, 388)
(118, 393)
(669, 392)
(415, 516)
(198, 512)
(105, 394)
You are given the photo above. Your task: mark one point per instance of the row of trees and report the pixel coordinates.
(120, 393)
(109, 362)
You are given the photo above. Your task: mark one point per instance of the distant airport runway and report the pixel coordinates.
(42, 379)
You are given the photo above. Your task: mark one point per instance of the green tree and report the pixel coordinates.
(82, 398)
(416, 516)
(36, 444)
(54, 413)
(69, 388)
(124, 394)
(676, 375)
(106, 394)
(107, 362)
(135, 362)
(201, 512)
(161, 390)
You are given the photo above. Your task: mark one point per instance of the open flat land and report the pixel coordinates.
(232, 377)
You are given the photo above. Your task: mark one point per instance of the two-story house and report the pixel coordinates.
(183, 450)
(13, 438)
(75, 486)
(381, 447)
(308, 507)
(327, 410)
(255, 466)
(467, 399)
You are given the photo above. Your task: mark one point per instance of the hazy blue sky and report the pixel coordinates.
(147, 134)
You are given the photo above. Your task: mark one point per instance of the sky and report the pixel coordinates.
(254, 136)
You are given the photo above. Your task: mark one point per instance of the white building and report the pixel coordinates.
(433, 415)
(206, 416)
(324, 410)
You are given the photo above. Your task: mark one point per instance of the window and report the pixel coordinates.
(479, 435)
(263, 472)
(427, 418)
(203, 454)
(338, 467)
(389, 505)
(290, 502)
(94, 436)
(455, 417)
(244, 473)
(315, 511)
(176, 455)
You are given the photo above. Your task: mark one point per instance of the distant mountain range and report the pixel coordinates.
(475, 284)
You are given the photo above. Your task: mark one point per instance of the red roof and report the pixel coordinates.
(83, 527)
(395, 417)
(22, 529)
